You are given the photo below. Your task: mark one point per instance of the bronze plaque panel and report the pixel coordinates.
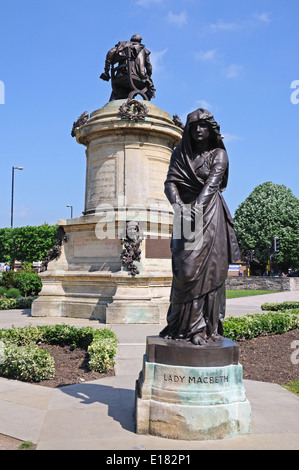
(157, 248)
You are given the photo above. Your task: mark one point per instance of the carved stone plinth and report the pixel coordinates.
(190, 392)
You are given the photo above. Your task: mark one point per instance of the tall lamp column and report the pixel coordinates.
(12, 191)
(68, 205)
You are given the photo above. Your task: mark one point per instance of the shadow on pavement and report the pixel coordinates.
(120, 401)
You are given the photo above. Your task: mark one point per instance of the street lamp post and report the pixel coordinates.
(68, 205)
(12, 191)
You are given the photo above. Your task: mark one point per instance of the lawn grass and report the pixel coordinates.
(232, 294)
(292, 387)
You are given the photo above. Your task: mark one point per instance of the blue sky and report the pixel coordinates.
(236, 58)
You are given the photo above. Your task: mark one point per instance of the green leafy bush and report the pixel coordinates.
(280, 306)
(102, 350)
(3, 290)
(22, 336)
(28, 283)
(13, 293)
(8, 279)
(24, 302)
(67, 335)
(21, 303)
(251, 326)
(101, 345)
(27, 363)
(7, 304)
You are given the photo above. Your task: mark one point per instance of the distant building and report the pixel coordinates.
(240, 268)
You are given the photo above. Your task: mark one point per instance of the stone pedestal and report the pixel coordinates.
(126, 166)
(190, 392)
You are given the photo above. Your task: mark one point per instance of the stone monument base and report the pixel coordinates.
(126, 165)
(112, 298)
(190, 392)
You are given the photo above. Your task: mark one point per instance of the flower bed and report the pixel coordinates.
(24, 360)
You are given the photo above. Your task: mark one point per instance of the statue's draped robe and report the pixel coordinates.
(198, 286)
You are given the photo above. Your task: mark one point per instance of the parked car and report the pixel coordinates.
(293, 273)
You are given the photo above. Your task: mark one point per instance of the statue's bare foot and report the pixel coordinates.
(198, 339)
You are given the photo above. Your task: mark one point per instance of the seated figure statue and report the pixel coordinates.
(131, 70)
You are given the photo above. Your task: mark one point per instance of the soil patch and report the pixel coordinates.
(10, 443)
(269, 358)
(71, 366)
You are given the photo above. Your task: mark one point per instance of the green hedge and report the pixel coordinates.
(101, 345)
(20, 303)
(251, 326)
(280, 306)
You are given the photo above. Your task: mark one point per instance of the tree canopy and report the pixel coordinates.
(271, 210)
(27, 244)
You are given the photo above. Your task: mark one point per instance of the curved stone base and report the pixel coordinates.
(186, 422)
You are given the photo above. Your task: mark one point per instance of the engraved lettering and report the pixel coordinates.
(217, 379)
(173, 378)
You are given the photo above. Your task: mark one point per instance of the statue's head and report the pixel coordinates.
(133, 229)
(136, 38)
(203, 116)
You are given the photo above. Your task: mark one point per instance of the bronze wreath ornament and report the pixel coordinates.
(133, 110)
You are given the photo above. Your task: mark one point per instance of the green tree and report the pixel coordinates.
(5, 245)
(271, 210)
(27, 244)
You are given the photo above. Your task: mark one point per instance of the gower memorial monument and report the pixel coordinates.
(103, 270)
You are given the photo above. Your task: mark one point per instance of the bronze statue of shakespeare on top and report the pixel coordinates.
(197, 175)
(132, 74)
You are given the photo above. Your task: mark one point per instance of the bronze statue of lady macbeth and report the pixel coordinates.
(197, 175)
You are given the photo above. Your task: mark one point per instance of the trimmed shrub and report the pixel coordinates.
(251, 326)
(8, 279)
(280, 306)
(29, 284)
(3, 290)
(24, 302)
(25, 335)
(27, 363)
(102, 350)
(7, 304)
(13, 293)
(20, 303)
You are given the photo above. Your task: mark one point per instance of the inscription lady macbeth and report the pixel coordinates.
(217, 379)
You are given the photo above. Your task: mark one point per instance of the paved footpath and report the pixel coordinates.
(99, 415)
